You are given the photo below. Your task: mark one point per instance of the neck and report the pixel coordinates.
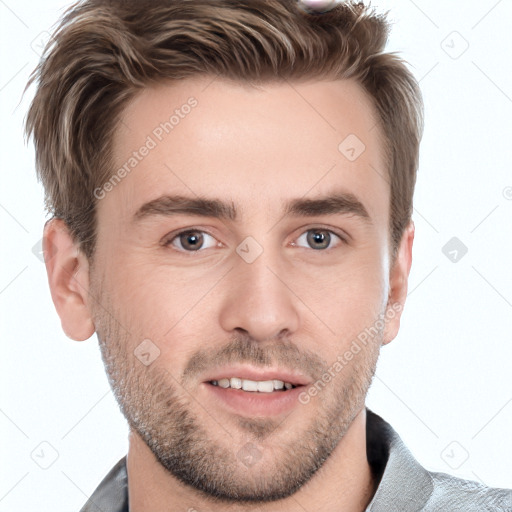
(344, 482)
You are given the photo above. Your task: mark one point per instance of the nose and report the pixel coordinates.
(259, 300)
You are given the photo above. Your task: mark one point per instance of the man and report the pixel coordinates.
(231, 185)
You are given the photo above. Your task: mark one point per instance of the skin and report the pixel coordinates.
(295, 306)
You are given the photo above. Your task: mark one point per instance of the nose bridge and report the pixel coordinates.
(258, 299)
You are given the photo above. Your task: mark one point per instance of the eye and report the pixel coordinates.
(319, 239)
(191, 241)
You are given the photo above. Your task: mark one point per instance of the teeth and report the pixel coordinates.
(278, 384)
(265, 386)
(224, 383)
(249, 385)
(236, 383)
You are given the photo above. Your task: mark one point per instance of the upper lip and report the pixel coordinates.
(254, 373)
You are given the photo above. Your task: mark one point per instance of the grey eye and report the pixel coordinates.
(318, 239)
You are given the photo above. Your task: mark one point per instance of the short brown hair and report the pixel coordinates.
(104, 51)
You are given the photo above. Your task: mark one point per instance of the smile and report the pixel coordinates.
(262, 386)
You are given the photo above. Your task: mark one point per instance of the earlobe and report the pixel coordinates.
(398, 284)
(68, 278)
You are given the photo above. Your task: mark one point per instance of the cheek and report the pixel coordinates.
(349, 289)
(344, 304)
(163, 305)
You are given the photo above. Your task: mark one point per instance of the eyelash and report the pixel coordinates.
(175, 236)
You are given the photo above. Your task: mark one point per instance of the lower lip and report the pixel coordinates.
(254, 403)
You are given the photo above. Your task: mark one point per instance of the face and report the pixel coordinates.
(246, 246)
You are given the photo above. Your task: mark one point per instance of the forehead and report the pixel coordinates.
(258, 147)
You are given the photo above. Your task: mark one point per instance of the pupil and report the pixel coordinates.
(191, 240)
(319, 237)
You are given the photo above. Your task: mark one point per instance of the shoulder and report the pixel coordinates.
(406, 486)
(112, 493)
(452, 493)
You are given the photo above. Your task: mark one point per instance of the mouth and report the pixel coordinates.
(253, 386)
(250, 392)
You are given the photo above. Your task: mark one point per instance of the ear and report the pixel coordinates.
(398, 281)
(68, 276)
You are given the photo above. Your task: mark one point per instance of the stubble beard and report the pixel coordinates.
(163, 415)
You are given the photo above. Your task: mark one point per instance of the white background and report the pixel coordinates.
(445, 383)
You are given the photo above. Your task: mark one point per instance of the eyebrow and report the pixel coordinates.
(341, 203)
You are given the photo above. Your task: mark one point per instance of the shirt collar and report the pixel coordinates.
(404, 483)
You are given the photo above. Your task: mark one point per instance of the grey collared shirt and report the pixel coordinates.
(404, 486)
